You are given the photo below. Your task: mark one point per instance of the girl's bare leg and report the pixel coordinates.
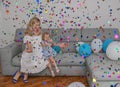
(50, 68)
(54, 63)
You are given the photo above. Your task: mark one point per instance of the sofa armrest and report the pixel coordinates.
(7, 53)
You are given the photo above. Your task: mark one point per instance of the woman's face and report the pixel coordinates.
(36, 26)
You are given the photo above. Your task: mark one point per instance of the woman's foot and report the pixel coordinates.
(16, 76)
(25, 78)
(53, 74)
(14, 81)
(25, 81)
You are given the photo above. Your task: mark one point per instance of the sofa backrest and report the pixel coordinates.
(72, 36)
(103, 34)
(19, 34)
(69, 36)
(61, 35)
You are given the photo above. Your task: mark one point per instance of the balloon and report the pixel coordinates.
(113, 51)
(76, 84)
(96, 45)
(106, 43)
(85, 50)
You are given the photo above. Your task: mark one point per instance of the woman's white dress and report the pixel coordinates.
(33, 62)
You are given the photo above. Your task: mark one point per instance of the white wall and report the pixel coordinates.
(58, 14)
(0, 30)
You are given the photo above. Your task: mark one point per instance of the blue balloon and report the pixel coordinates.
(106, 43)
(56, 48)
(85, 50)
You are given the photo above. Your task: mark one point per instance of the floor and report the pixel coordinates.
(6, 81)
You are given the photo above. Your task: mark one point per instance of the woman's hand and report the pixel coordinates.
(29, 51)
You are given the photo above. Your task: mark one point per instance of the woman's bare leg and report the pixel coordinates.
(25, 76)
(17, 75)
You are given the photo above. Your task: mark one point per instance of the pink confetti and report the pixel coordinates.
(118, 77)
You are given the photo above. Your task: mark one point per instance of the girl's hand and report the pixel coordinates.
(62, 45)
(50, 40)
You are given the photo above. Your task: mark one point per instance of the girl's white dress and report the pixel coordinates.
(33, 62)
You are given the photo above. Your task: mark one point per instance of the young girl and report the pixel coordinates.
(48, 51)
(48, 41)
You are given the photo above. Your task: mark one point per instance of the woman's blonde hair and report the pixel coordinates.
(31, 23)
(28, 32)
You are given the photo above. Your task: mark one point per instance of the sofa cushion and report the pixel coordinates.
(69, 59)
(61, 59)
(60, 35)
(102, 68)
(103, 34)
(16, 60)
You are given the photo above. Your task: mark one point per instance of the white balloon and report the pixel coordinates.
(113, 50)
(96, 45)
(118, 85)
(76, 84)
(78, 45)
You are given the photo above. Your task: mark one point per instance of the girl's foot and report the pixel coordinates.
(53, 74)
(57, 70)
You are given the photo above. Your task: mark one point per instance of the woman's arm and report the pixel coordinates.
(28, 47)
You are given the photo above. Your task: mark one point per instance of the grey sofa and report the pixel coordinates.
(100, 71)
(69, 61)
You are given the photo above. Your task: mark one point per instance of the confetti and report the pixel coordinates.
(44, 83)
(94, 80)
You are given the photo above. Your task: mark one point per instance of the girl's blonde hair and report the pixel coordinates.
(31, 23)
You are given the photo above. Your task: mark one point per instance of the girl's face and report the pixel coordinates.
(46, 37)
(36, 27)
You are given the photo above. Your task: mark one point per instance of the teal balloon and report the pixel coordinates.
(85, 50)
(106, 43)
(57, 48)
